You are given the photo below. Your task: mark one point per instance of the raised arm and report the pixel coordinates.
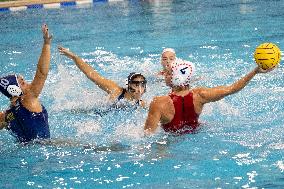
(43, 64)
(153, 118)
(105, 84)
(217, 93)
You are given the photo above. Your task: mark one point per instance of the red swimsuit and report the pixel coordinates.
(185, 119)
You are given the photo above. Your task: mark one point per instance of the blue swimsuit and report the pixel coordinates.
(26, 125)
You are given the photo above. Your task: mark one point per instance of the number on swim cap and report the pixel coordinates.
(4, 83)
(182, 72)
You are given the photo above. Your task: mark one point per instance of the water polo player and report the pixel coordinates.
(136, 82)
(27, 118)
(168, 56)
(179, 111)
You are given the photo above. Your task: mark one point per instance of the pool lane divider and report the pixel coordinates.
(62, 4)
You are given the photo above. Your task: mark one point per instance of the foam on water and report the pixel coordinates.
(73, 94)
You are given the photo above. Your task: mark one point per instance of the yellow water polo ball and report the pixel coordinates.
(267, 55)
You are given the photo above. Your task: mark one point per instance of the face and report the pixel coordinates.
(167, 58)
(137, 87)
(23, 84)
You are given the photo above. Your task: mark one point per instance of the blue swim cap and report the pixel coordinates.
(9, 86)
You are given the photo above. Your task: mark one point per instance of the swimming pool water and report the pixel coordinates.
(240, 144)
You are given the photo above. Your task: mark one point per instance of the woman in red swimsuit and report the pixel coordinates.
(178, 112)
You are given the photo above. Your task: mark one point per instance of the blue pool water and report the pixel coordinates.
(240, 144)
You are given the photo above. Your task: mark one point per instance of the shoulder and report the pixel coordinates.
(116, 92)
(157, 106)
(160, 101)
(31, 103)
(28, 98)
(200, 91)
(200, 94)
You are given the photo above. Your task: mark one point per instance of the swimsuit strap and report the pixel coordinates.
(121, 96)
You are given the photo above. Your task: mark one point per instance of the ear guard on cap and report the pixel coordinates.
(182, 72)
(9, 86)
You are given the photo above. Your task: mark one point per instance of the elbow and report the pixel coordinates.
(43, 72)
(234, 89)
(2, 120)
(148, 130)
(3, 125)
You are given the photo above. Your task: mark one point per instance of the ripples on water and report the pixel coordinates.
(240, 142)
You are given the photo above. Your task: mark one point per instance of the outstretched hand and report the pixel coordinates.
(66, 52)
(47, 38)
(260, 70)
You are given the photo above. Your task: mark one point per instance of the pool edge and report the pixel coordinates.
(28, 4)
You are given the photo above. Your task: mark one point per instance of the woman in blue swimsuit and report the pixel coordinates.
(27, 118)
(136, 82)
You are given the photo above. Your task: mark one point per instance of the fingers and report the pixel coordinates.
(61, 49)
(64, 51)
(261, 70)
(47, 38)
(44, 29)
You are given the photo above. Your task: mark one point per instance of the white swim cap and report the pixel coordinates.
(182, 72)
(169, 50)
